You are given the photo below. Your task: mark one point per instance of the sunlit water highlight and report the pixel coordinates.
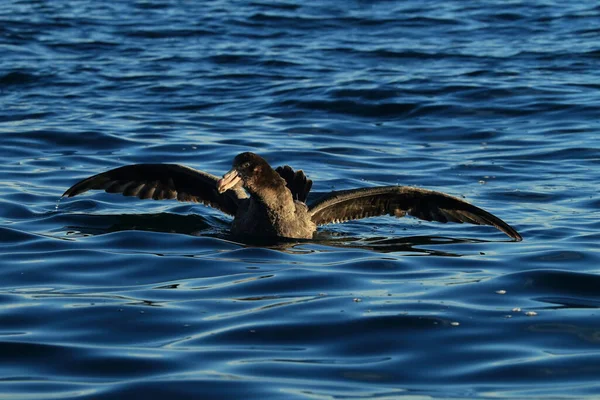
(103, 296)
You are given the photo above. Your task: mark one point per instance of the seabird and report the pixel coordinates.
(272, 203)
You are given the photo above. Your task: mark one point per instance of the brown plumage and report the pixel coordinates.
(276, 205)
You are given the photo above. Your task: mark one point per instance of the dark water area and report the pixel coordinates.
(108, 297)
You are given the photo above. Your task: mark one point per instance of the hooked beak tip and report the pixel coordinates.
(228, 181)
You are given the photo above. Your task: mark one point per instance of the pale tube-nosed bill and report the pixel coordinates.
(228, 181)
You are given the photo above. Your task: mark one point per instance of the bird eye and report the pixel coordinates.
(245, 165)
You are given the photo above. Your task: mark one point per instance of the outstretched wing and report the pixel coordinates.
(296, 181)
(160, 182)
(428, 205)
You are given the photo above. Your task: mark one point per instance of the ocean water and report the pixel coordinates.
(107, 297)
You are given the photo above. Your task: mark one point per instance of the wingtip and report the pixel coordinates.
(510, 232)
(70, 192)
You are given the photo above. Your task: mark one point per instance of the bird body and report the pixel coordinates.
(268, 203)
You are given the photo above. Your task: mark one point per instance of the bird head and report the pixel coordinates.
(246, 168)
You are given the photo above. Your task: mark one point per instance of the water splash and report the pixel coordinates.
(57, 204)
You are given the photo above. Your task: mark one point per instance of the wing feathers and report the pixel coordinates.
(160, 182)
(133, 189)
(296, 182)
(398, 201)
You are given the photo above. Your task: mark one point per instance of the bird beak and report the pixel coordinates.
(228, 181)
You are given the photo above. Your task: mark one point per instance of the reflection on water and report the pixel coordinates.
(498, 106)
(199, 226)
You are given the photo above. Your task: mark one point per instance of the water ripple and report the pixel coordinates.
(107, 297)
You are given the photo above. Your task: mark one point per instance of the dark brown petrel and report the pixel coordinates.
(273, 203)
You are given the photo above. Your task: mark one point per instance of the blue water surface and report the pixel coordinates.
(108, 297)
